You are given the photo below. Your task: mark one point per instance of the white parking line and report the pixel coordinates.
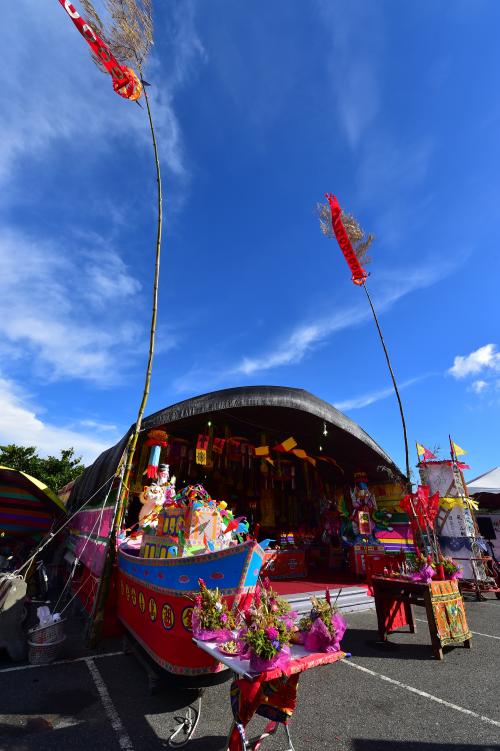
(417, 691)
(109, 707)
(478, 633)
(60, 662)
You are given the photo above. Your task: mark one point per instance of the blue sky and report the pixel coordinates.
(260, 110)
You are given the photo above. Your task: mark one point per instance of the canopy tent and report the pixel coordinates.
(487, 483)
(486, 489)
(257, 413)
(28, 507)
(277, 411)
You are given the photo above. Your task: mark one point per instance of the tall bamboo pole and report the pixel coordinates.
(154, 315)
(394, 383)
(103, 590)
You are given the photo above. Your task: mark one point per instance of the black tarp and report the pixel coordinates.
(278, 411)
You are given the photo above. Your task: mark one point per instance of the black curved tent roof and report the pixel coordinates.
(278, 411)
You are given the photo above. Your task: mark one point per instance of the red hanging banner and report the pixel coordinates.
(125, 81)
(359, 275)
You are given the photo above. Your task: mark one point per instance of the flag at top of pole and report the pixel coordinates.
(424, 453)
(457, 450)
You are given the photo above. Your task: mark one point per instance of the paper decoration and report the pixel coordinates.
(286, 445)
(201, 526)
(359, 275)
(301, 454)
(425, 453)
(202, 449)
(218, 445)
(262, 451)
(157, 439)
(125, 81)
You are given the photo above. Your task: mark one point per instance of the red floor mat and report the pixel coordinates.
(316, 583)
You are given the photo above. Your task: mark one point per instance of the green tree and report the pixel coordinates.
(52, 470)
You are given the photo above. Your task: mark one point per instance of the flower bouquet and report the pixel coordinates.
(211, 620)
(424, 569)
(324, 627)
(452, 570)
(267, 630)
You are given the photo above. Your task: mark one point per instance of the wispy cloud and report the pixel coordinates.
(100, 427)
(390, 164)
(298, 344)
(70, 100)
(354, 67)
(479, 386)
(364, 400)
(52, 304)
(20, 423)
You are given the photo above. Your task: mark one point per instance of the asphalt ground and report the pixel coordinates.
(396, 698)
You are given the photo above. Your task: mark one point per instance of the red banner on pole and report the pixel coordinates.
(359, 275)
(125, 81)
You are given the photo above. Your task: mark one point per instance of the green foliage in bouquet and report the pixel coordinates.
(449, 565)
(320, 609)
(211, 611)
(269, 623)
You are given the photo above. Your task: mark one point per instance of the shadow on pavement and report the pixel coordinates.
(364, 744)
(365, 643)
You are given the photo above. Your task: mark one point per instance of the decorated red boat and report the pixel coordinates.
(155, 599)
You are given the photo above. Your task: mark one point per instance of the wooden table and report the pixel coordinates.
(444, 606)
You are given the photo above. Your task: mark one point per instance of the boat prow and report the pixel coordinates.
(155, 599)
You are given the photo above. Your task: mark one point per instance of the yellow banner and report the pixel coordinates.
(449, 503)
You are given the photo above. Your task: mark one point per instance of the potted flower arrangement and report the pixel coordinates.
(267, 630)
(424, 569)
(212, 620)
(452, 570)
(323, 628)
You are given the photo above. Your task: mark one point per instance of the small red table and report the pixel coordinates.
(444, 606)
(285, 564)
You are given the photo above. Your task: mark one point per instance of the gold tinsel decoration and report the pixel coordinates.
(360, 241)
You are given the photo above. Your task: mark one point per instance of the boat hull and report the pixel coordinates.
(155, 600)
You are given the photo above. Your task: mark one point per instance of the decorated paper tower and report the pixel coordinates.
(165, 543)
(455, 523)
(203, 526)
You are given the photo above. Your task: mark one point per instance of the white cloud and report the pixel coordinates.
(485, 358)
(294, 347)
(479, 386)
(51, 308)
(57, 94)
(302, 339)
(354, 67)
(364, 400)
(389, 167)
(100, 427)
(20, 424)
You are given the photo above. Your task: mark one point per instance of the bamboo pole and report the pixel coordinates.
(394, 383)
(124, 490)
(154, 315)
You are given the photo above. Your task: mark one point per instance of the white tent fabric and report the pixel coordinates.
(487, 483)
